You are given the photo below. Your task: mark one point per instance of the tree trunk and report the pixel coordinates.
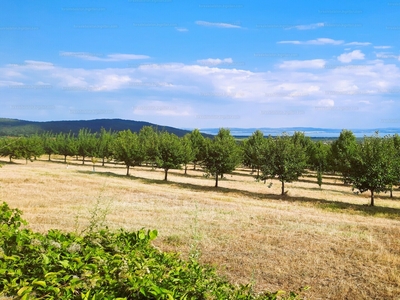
(258, 172)
(26, 161)
(216, 179)
(127, 170)
(83, 160)
(49, 157)
(65, 158)
(185, 169)
(372, 198)
(194, 166)
(102, 163)
(166, 174)
(283, 188)
(391, 192)
(222, 176)
(10, 158)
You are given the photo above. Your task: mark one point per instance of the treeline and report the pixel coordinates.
(370, 165)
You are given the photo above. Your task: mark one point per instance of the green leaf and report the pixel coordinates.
(142, 236)
(64, 263)
(41, 283)
(51, 274)
(46, 260)
(24, 290)
(153, 234)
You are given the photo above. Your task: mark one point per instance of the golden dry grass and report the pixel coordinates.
(326, 238)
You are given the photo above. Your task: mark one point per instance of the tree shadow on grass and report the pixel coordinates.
(8, 162)
(317, 189)
(329, 205)
(74, 162)
(54, 161)
(301, 179)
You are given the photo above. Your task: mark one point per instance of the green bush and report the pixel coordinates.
(103, 265)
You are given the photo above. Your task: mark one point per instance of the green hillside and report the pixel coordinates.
(14, 127)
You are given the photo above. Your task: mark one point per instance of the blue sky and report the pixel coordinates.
(202, 64)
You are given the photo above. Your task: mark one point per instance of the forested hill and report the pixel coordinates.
(14, 127)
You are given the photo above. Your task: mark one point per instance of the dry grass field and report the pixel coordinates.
(326, 238)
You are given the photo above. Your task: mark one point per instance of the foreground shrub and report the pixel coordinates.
(102, 265)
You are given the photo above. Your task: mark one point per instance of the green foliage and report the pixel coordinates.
(342, 152)
(86, 144)
(221, 155)
(396, 143)
(49, 144)
(318, 154)
(148, 138)
(9, 148)
(30, 147)
(13, 127)
(127, 148)
(104, 145)
(188, 151)
(103, 265)
(253, 149)
(170, 152)
(22, 147)
(66, 145)
(10, 217)
(319, 178)
(375, 165)
(198, 143)
(284, 158)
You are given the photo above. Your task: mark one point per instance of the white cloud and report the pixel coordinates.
(160, 108)
(215, 61)
(303, 64)
(36, 65)
(326, 102)
(122, 57)
(320, 41)
(109, 57)
(307, 27)
(364, 102)
(7, 83)
(388, 102)
(291, 42)
(181, 29)
(358, 44)
(382, 47)
(221, 25)
(348, 57)
(216, 93)
(387, 55)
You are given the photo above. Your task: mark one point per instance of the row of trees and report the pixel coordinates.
(372, 164)
(158, 149)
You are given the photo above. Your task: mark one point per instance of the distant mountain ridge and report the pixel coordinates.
(308, 131)
(15, 127)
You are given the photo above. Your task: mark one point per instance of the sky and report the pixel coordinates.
(202, 64)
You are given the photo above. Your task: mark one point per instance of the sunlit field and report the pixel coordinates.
(325, 238)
